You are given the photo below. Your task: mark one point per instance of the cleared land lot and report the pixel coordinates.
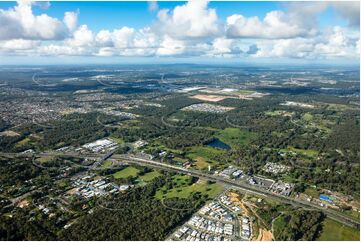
(210, 98)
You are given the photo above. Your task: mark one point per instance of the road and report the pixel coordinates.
(240, 185)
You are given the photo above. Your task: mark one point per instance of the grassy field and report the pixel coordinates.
(182, 189)
(45, 159)
(340, 107)
(117, 140)
(150, 176)
(307, 117)
(204, 156)
(312, 154)
(23, 142)
(278, 113)
(201, 163)
(333, 230)
(235, 137)
(180, 160)
(106, 164)
(178, 116)
(126, 172)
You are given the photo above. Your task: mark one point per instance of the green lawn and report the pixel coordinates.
(235, 137)
(182, 189)
(333, 230)
(106, 164)
(126, 172)
(150, 176)
(312, 154)
(204, 155)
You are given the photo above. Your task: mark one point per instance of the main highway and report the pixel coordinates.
(240, 185)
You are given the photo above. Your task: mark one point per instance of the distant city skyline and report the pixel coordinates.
(197, 31)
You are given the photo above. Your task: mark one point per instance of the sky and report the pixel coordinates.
(197, 31)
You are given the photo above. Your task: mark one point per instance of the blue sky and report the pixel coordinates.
(136, 14)
(322, 32)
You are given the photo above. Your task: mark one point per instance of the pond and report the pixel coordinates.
(216, 143)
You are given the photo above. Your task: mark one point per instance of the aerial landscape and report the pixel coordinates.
(204, 125)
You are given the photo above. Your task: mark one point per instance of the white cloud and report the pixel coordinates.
(18, 44)
(170, 46)
(193, 19)
(275, 25)
(82, 37)
(222, 46)
(331, 44)
(190, 29)
(122, 38)
(336, 43)
(20, 23)
(104, 38)
(71, 20)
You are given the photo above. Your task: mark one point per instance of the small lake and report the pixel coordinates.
(216, 143)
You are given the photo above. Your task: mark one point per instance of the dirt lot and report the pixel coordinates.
(209, 98)
(9, 133)
(264, 235)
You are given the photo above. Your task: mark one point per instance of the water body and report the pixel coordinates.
(216, 143)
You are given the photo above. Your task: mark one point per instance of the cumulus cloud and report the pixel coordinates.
(18, 44)
(82, 37)
(71, 20)
(170, 46)
(190, 29)
(275, 25)
(331, 44)
(20, 23)
(193, 19)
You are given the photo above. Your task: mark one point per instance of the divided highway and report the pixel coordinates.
(235, 184)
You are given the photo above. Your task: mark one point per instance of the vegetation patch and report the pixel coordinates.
(203, 155)
(312, 192)
(309, 153)
(335, 231)
(150, 176)
(23, 142)
(235, 137)
(126, 172)
(298, 225)
(307, 117)
(106, 164)
(183, 186)
(201, 163)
